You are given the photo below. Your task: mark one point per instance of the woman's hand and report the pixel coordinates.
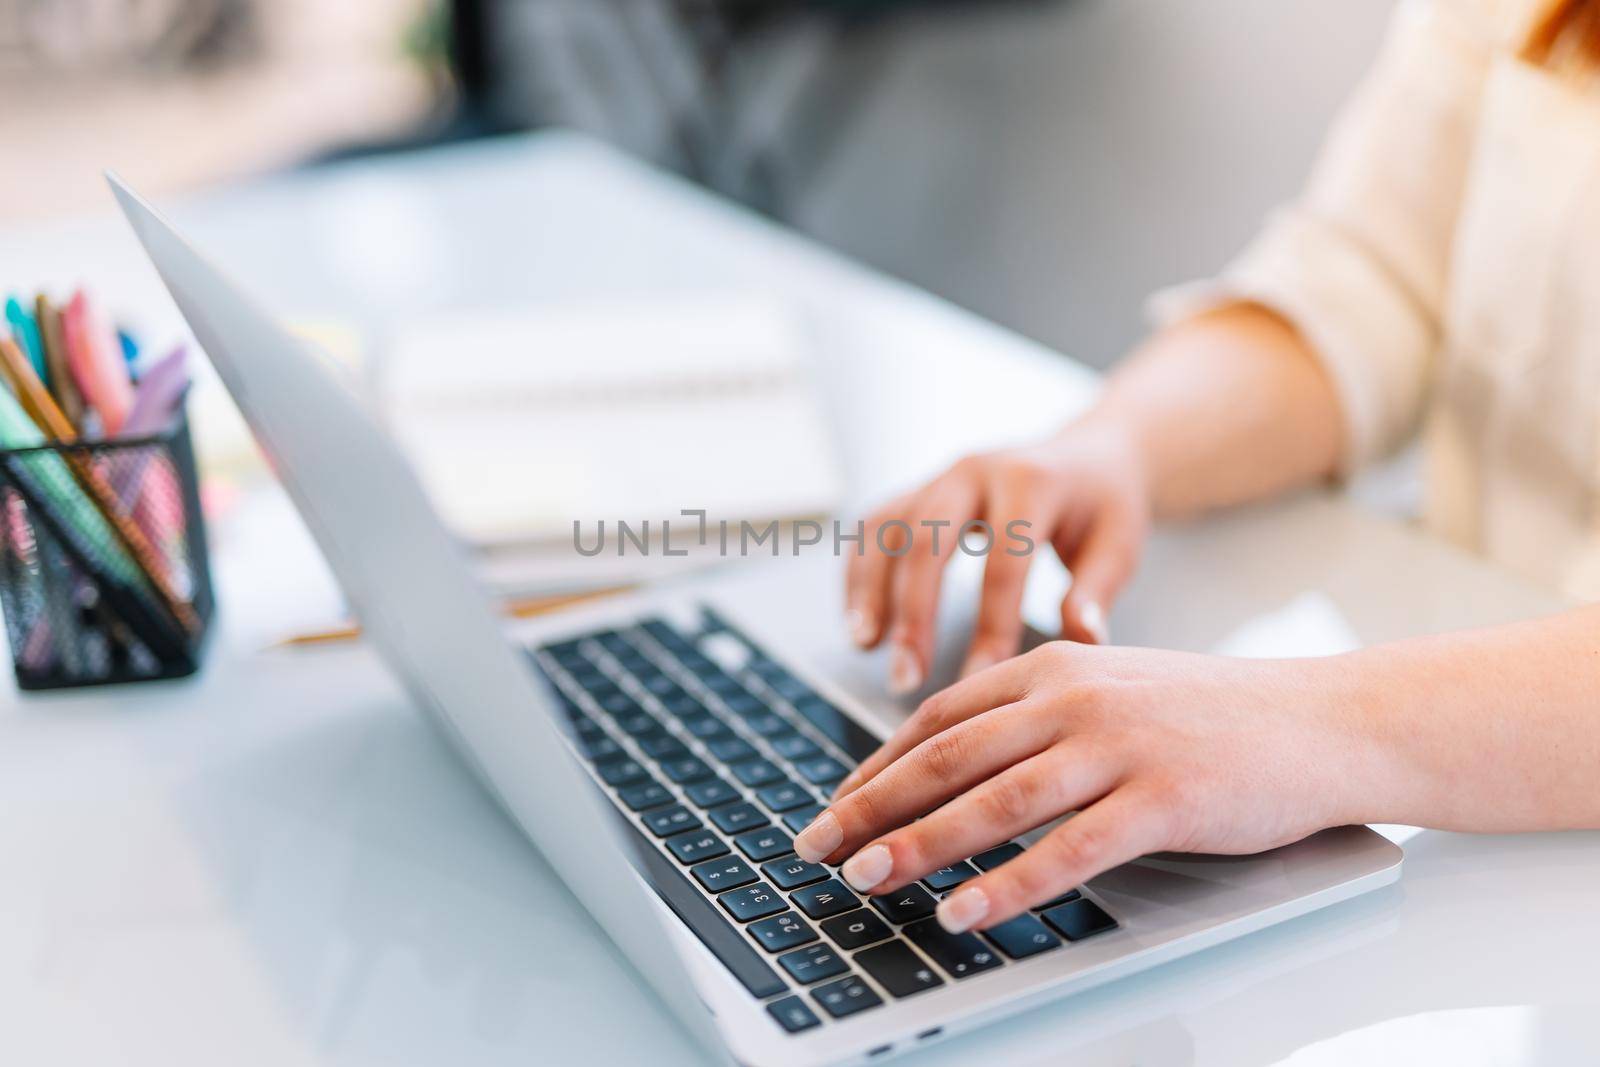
(1082, 492)
(1158, 751)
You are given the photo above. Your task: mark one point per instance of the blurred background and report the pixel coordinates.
(1046, 163)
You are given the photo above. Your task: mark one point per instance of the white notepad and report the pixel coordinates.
(521, 422)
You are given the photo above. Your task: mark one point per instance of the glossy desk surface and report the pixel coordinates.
(278, 863)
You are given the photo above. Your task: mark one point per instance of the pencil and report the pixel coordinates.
(513, 608)
(36, 401)
(55, 357)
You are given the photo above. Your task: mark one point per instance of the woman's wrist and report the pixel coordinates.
(1106, 429)
(1368, 718)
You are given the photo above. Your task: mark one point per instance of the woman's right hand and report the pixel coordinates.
(1084, 492)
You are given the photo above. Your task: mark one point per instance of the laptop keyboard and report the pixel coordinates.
(715, 756)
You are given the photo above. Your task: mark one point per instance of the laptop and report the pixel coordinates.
(661, 757)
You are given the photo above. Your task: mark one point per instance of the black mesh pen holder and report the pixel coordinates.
(104, 573)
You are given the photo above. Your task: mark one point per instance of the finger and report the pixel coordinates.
(914, 592)
(1018, 799)
(1101, 565)
(868, 573)
(939, 768)
(1125, 825)
(1005, 576)
(993, 688)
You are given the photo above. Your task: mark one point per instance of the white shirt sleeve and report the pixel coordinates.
(1360, 263)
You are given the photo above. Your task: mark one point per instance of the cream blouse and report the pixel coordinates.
(1444, 262)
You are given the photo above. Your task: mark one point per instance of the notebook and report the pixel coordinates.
(522, 422)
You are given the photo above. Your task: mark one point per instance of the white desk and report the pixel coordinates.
(277, 863)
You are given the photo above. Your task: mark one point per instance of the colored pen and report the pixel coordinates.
(62, 387)
(97, 365)
(36, 401)
(26, 333)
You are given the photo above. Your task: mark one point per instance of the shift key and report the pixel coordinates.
(898, 969)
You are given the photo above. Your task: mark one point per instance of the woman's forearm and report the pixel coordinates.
(1492, 730)
(1225, 408)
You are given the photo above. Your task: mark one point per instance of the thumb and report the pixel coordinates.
(1101, 565)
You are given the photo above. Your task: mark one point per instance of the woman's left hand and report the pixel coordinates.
(1156, 751)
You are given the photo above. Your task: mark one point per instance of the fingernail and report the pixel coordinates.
(978, 661)
(860, 627)
(819, 839)
(963, 909)
(868, 868)
(1093, 618)
(905, 672)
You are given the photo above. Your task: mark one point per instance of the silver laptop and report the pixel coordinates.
(662, 758)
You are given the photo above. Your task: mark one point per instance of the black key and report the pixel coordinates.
(949, 877)
(638, 724)
(736, 818)
(764, 844)
(843, 731)
(793, 1015)
(698, 913)
(566, 653)
(1079, 919)
(710, 794)
(645, 796)
(785, 796)
(683, 771)
(752, 902)
(961, 955)
(705, 726)
(724, 874)
(988, 861)
(800, 818)
(789, 687)
(1022, 937)
(620, 772)
(681, 704)
(599, 747)
(768, 724)
(845, 997)
(731, 749)
(661, 687)
(796, 747)
(855, 929)
(829, 898)
(906, 905)
(673, 820)
(591, 681)
(698, 664)
(585, 728)
(813, 964)
(898, 969)
(782, 931)
(756, 773)
(664, 746)
(664, 634)
(792, 872)
(696, 845)
(594, 682)
(722, 685)
(620, 704)
(612, 641)
(636, 664)
(1065, 898)
(743, 704)
(824, 770)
